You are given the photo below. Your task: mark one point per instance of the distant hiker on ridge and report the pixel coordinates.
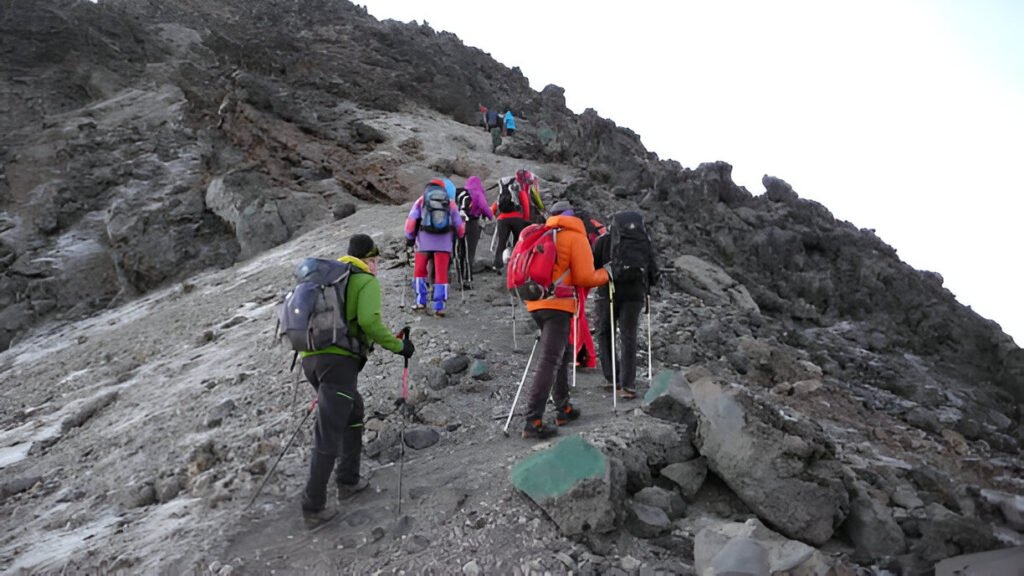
(432, 219)
(510, 123)
(334, 372)
(495, 139)
(492, 118)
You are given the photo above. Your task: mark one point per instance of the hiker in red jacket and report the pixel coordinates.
(513, 210)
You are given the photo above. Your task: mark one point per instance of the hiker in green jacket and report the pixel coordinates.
(333, 372)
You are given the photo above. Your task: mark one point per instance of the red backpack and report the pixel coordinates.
(532, 262)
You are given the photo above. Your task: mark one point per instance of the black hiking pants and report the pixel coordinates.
(551, 376)
(465, 248)
(472, 240)
(338, 435)
(627, 321)
(507, 227)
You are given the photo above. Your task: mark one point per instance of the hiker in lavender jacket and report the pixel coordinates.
(436, 245)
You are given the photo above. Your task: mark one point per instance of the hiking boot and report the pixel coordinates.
(346, 491)
(317, 518)
(439, 313)
(626, 393)
(419, 306)
(565, 415)
(538, 429)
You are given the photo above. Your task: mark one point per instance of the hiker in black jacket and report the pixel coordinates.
(630, 298)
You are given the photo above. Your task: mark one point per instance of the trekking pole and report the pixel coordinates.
(575, 339)
(408, 279)
(401, 435)
(281, 455)
(515, 339)
(469, 264)
(611, 317)
(520, 389)
(459, 270)
(650, 361)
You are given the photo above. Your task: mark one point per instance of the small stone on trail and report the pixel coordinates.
(420, 438)
(478, 370)
(455, 364)
(219, 412)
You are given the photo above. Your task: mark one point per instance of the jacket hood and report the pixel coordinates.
(569, 222)
(355, 262)
(473, 184)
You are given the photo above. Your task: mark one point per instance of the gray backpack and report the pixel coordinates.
(312, 316)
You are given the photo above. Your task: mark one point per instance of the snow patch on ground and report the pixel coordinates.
(13, 454)
(51, 550)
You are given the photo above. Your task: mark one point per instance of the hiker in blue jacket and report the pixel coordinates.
(510, 123)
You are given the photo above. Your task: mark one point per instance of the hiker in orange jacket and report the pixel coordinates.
(554, 317)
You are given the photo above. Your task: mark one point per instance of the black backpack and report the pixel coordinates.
(508, 195)
(631, 251)
(312, 316)
(436, 214)
(463, 200)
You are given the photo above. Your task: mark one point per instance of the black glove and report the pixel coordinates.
(407, 348)
(410, 242)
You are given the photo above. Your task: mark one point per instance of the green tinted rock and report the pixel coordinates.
(478, 370)
(555, 471)
(659, 386)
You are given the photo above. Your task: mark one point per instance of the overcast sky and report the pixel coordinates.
(903, 116)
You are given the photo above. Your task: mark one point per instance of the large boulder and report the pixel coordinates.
(261, 214)
(712, 284)
(576, 485)
(670, 398)
(782, 467)
(871, 526)
(643, 445)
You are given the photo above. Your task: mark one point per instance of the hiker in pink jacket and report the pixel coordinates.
(472, 203)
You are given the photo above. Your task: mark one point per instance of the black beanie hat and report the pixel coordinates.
(361, 246)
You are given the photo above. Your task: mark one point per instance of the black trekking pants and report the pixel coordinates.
(627, 321)
(338, 435)
(506, 227)
(472, 240)
(551, 376)
(465, 249)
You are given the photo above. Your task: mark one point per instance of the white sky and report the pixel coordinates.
(905, 116)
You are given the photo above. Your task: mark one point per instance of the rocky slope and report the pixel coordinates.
(165, 164)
